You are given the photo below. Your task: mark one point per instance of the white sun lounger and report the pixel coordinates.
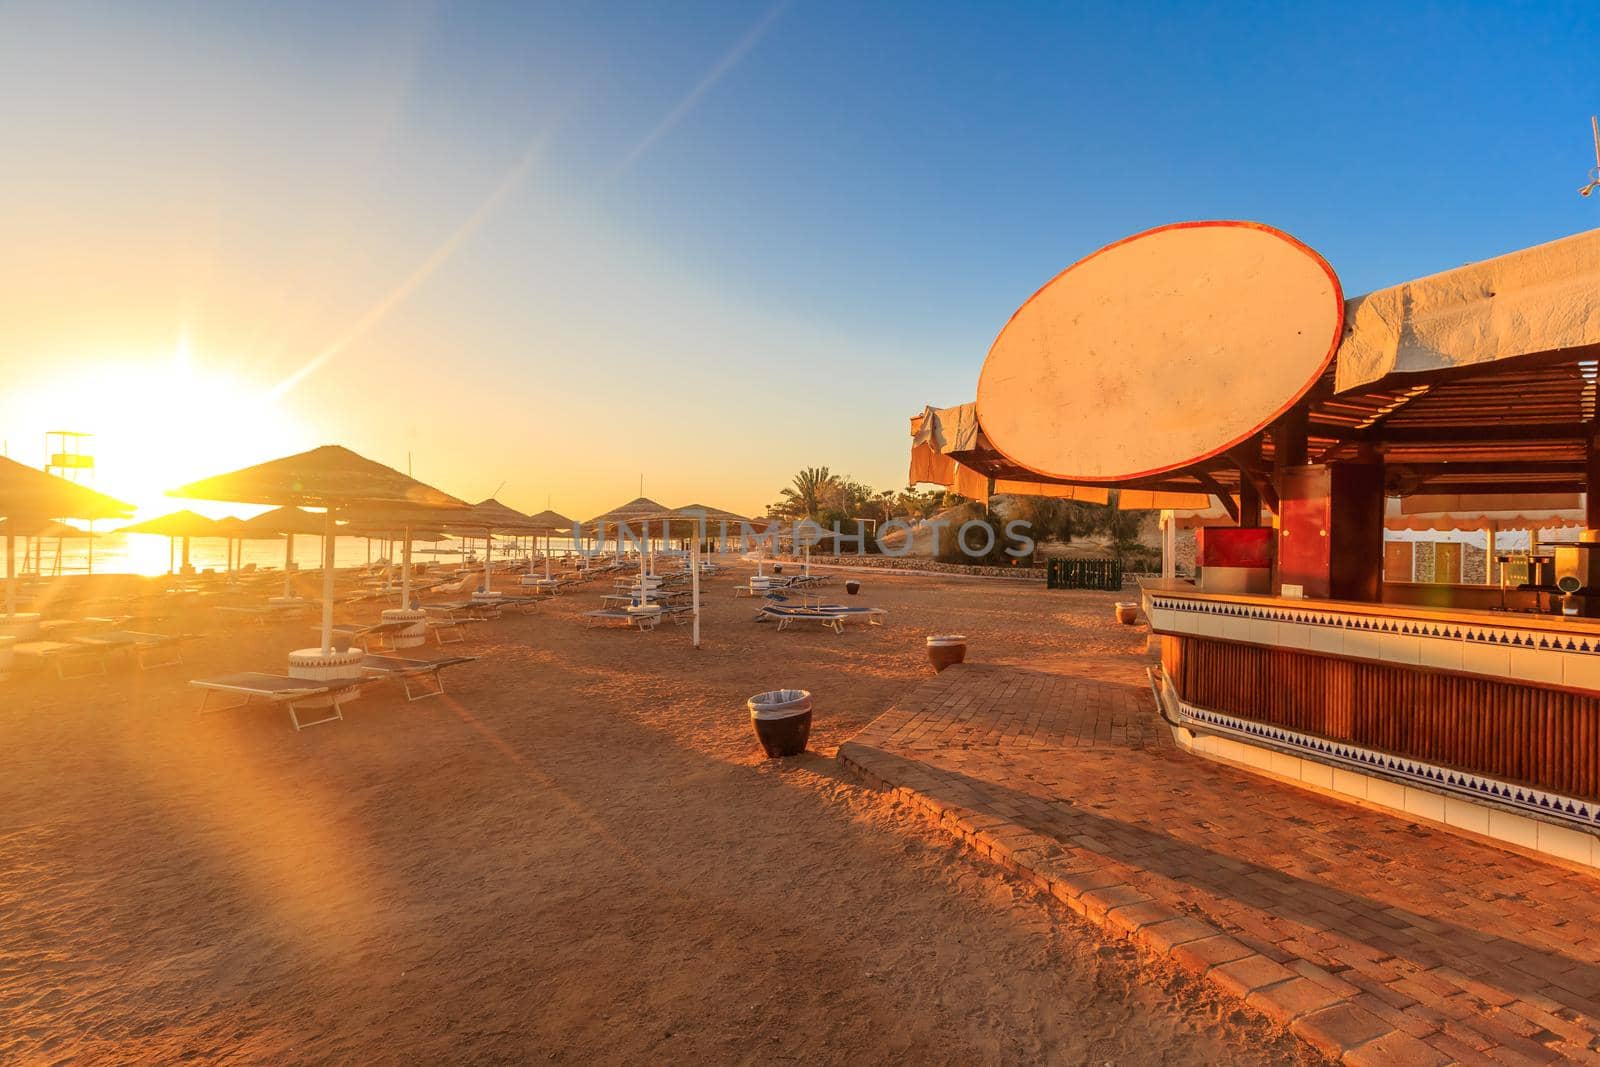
(420, 677)
(83, 660)
(294, 693)
(833, 616)
(149, 650)
(610, 616)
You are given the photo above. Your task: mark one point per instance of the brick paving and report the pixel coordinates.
(1374, 939)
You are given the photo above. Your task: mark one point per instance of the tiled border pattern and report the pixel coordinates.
(1471, 802)
(1541, 656)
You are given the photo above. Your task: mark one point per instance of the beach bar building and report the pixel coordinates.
(1222, 360)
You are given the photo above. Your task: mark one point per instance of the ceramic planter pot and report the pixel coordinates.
(852, 586)
(782, 721)
(1127, 614)
(945, 650)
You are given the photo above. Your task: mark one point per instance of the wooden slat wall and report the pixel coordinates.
(1540, 737)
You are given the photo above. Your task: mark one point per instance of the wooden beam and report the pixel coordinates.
(1447, 435)
(1216, 489)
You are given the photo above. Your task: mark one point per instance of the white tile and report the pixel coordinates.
(1285, 766)
(1440, 652)
(1229, 749)
(1364, 644)
(1516, 829)
(1386, 793)
(1466, 815)
(1572, 845)
(1326, 639)
(1400, 648)
(1208, 624)
(1423, 804)
(1580, 670)
(1536, 665)
(1481, 658)
(1263, 632)
(1317, 774)
(1258, 758)
(1350, 782)
(1294, 635)
(1235, 628)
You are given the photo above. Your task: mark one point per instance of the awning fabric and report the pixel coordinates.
(1539, 299)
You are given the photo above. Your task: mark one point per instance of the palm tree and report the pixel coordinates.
(812, 487)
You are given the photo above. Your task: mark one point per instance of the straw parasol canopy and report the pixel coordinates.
(395, 533)
(491, 515)
(553, 521)
(183, 524)
(30, 494)
(178, 525)
(330, 477)
(32, 527)
(634, 514)
(285, 520)
(696, 519)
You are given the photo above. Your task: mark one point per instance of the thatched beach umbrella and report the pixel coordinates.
(553, 522)
(287, 521)
(634, 515)
(175, 526)
(29, 494)
(331, 478)
(406, 525)
(233, 528)
(490, 517)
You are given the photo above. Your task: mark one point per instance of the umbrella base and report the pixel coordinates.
(412, 636)
(323, 666)
(480, 597)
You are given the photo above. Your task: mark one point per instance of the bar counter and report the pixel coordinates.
(1485, 721)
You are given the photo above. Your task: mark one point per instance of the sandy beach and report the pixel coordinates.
(577, 855)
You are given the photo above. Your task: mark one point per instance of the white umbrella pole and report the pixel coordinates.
(547, 557)
(405, 569)
(327, 582)
(694, 589)
(488, 559)
(172, 552)
(91, 546)
(186, 554)
(11, 570)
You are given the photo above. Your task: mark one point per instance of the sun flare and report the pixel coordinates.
(159, 423)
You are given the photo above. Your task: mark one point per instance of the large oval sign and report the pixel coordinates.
(1163, 349)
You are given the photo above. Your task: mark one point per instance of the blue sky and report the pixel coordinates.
(567, 244)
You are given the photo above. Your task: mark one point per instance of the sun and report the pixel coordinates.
(157, 424)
